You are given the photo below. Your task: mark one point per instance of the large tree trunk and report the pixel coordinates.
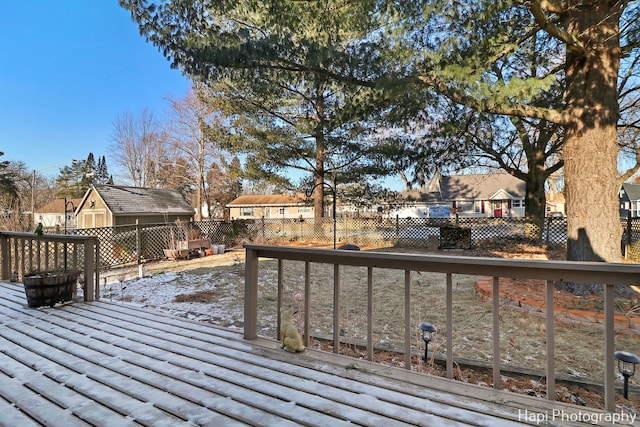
(318, 200)
(534, 204)
(591, 144)
(590, 149)
(534, 199)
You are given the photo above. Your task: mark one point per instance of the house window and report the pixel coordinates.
(246, 211)
(477, 206)
(302, 209)
(517, 203)
(464, 206)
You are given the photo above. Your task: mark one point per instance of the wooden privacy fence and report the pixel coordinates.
(25, 253)
(606, 275)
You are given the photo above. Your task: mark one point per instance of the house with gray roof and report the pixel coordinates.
(485, 195)
(629, 196)
(477, 195)
(114, 205)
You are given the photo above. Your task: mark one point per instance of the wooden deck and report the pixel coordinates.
(111, 364)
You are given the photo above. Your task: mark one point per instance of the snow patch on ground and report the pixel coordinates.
(221, 290)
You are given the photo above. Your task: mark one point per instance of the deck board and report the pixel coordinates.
(104, 363)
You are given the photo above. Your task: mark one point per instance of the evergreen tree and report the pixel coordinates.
(74, 181)
(453, 49)
(8, 186)
(290, 119)
(101, 173)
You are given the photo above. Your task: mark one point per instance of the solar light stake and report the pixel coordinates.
(427, 334)
(627, 367)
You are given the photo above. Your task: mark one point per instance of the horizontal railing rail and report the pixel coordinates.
(605, 274)
(24, 253)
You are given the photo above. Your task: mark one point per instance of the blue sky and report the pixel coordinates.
(68, 68)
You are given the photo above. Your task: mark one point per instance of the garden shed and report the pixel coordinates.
(113, 205)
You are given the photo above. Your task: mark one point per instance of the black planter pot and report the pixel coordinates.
(49, 287)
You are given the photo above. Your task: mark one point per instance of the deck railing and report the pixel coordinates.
(24, 253)
(609, 275)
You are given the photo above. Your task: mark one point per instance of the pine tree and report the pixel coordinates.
(8, 186)
(74, 181)
(453, 49)
(101, 174)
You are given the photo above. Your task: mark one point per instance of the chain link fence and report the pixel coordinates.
(631, 238)
(130, 244)
(404, 232)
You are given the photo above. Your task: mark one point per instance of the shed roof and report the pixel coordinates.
(142, 201)
(269, 200)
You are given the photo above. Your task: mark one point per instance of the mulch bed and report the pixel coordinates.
(568, 308)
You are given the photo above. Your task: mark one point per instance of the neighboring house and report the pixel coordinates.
(487, 195)
(629, 196)
(273, 206)
(492, 195)
(52, 215)
(418, 204)
(112, 205)
(555, 203)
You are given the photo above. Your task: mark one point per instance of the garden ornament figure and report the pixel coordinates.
(39, 231)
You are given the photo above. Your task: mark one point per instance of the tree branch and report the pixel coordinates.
(539, 9)
(550, 115)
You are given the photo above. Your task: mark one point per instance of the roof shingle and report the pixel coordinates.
(141, 201)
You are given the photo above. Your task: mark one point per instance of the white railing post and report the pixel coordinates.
(5, 267)
(609, 348)
(407, 320)
(370, 313)
(495, 312)
(251, 295)
(551, 345)
(89, 270)
(449, 325)
(96, 267)
(336, 308)
(280, 296)
(307, 301)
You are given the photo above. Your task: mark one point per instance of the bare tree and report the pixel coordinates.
(139, 147)
(188, 130)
